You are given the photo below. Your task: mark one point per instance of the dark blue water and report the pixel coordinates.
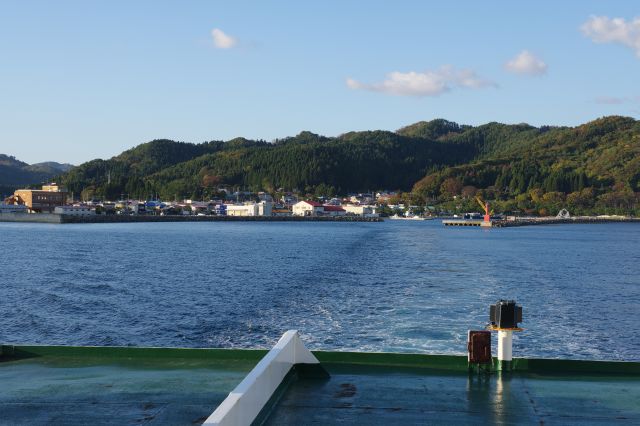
(393, 286)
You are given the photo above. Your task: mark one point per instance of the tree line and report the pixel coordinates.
(592, 166)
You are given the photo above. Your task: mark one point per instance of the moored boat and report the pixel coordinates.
(409, 217)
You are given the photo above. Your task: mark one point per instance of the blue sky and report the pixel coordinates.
(83, 80)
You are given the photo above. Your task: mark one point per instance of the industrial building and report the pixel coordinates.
(263, 208)
(43, 200)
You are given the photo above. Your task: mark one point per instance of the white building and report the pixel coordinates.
(74, 210)
(366, 211)
(308, 208)
(263, 208)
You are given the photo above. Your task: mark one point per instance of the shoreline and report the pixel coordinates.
(51, 218)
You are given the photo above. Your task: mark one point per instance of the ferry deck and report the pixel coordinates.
(103, 385)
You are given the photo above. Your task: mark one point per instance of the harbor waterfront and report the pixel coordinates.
(62, 219)
(232, 215)
(53, 218)
(396, 286)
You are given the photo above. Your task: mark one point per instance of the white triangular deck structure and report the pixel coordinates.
(244, 403)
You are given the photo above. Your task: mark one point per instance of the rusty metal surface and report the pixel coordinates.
(479, 347)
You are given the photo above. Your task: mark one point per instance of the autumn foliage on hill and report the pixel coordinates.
(594, 167)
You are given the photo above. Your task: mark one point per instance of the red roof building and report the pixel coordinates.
(313, 203)
(334, 211)
(308, 208)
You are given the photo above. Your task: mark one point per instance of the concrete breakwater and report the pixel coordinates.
(555, 220)
(56, 218)
(539, 221)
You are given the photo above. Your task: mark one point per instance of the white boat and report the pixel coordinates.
(409, 217)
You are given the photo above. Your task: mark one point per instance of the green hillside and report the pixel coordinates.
(15, 173)
(592, 166)
(125, 173)
(355, 161)
(435, 129)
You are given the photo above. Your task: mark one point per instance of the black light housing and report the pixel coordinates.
(505, 314)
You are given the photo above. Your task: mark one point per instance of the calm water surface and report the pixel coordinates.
(393, 286)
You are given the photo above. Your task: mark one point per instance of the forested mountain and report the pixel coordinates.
(50, 167)
(436, 160)
(595, 164)
(352, 162)
(8, 161)
(434, 129)
(125, 172)
(355, 161)
(15, 173)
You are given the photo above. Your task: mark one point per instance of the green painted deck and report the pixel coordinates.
(123, 387)
(402, 396)
(67, 385)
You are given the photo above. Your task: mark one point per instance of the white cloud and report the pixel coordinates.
(420, 84)
(222, 40)
(527, 63)
(602, 29)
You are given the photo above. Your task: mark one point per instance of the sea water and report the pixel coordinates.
(401, 286)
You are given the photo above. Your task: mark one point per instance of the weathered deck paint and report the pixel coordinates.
(371, 395)
(107, 385)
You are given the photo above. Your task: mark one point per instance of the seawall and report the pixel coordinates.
(32, 218)
(55, 218)
(539, 221)
(553, 221)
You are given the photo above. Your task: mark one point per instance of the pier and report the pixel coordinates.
(467, 222)
(531, 221)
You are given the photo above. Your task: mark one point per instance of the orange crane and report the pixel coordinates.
(485, 207)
